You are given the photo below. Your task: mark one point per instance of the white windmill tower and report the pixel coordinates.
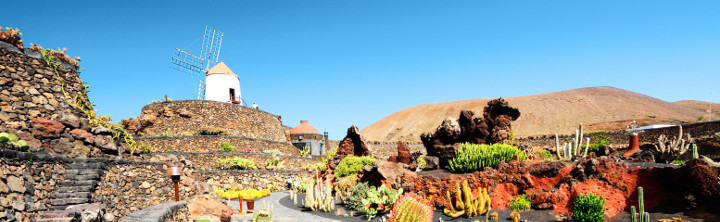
(220, 83)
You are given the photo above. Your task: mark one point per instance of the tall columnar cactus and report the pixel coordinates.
(319, 197)
(411, 207)
(642, 215)
(465, 204)
(574, 147)
(695, 154)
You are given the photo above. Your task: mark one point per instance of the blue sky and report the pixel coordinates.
(339, 63)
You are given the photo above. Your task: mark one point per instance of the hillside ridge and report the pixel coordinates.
(598, 108)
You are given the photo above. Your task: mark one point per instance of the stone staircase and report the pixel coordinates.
(81, 180)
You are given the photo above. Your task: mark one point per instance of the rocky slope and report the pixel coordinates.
(598, 108)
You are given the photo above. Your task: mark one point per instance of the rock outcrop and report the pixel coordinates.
(352, 144)
(493, 127)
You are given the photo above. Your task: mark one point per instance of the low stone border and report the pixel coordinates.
(46, 157)
(218, 136)
(156, 213)
(254, 171)
(233, 153)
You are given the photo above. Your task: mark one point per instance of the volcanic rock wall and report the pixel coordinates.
(178, 117)
(206, 143)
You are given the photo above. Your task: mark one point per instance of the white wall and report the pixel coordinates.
(217, 87)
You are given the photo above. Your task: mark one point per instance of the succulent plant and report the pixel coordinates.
(465, 204)
(319, 196)
(411, 207)
(642, 216)
(515, 216)
(264, 215)
(471, 157)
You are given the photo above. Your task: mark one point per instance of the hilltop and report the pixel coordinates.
(598, 108)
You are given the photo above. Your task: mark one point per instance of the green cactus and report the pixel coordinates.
(642, 215)
(472, 157)
(411, 207)
(319, 197)
(264, 215)
(695, 152)
(382, 197)
(467, 205)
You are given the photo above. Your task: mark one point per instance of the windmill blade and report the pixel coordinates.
(212, 40)
(186, 62)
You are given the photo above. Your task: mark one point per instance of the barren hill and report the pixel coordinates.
(598, 108)
(703, 107)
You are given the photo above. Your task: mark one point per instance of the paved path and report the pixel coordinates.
(280, 213)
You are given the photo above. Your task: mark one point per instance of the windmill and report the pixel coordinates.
(197, 66)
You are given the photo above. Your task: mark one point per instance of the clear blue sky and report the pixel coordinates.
(338, 63)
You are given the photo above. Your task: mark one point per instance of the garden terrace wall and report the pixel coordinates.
(383, 150)
(205, 143)
(29, 88)
(621, 139)
(170, 211)
(206, 161)
(128, 188)
(26, 184)
(179, 117)
(245, 179)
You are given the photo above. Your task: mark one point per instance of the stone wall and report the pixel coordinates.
(170, 211)
(204, 143)
(245, 180)
(26, 185)
(383, 150)
(206, 161)
(131, 187)
(621, 140)
(178, 117)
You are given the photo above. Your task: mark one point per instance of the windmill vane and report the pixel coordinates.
(196, 66)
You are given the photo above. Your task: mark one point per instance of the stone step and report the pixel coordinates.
(56, 214)
(85, 165)
(69, 183)
(68, 201)
(59, 219)
(82, 171)
(82, 177)
(57, 208)
(74, 195)
(71, 189)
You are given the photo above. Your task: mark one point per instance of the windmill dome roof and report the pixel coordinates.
(220, 68)
(304, 128)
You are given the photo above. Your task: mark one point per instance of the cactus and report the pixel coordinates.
(694, 152)
(675, 149)
(574, 147)
(642, 215)
(411, 207)
(515, 216)
(467, 205)
(263, 215)
(494, 216)
(319, 197)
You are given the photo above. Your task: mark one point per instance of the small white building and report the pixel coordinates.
(222, 85)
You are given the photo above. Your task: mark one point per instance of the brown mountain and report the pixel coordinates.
(704, 107)
(598, 108)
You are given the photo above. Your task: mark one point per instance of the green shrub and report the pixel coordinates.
(345, 182)
(227, 147)
(421, 162)
(678, 162)
(520, 203)
(350, 165)
(598, 139)
(545, 154)
(472, 157)
(206, 130)
(15, 141)
(236, 163)
(304, 151)
(589, 208)
(146, 148)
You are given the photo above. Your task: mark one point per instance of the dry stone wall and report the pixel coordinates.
(202, 143)
(26, 184)
(131, 187)
(33, 106)
(181, 117)
(206, 161)
(621, 139)
(245, 180)
(383, 150)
